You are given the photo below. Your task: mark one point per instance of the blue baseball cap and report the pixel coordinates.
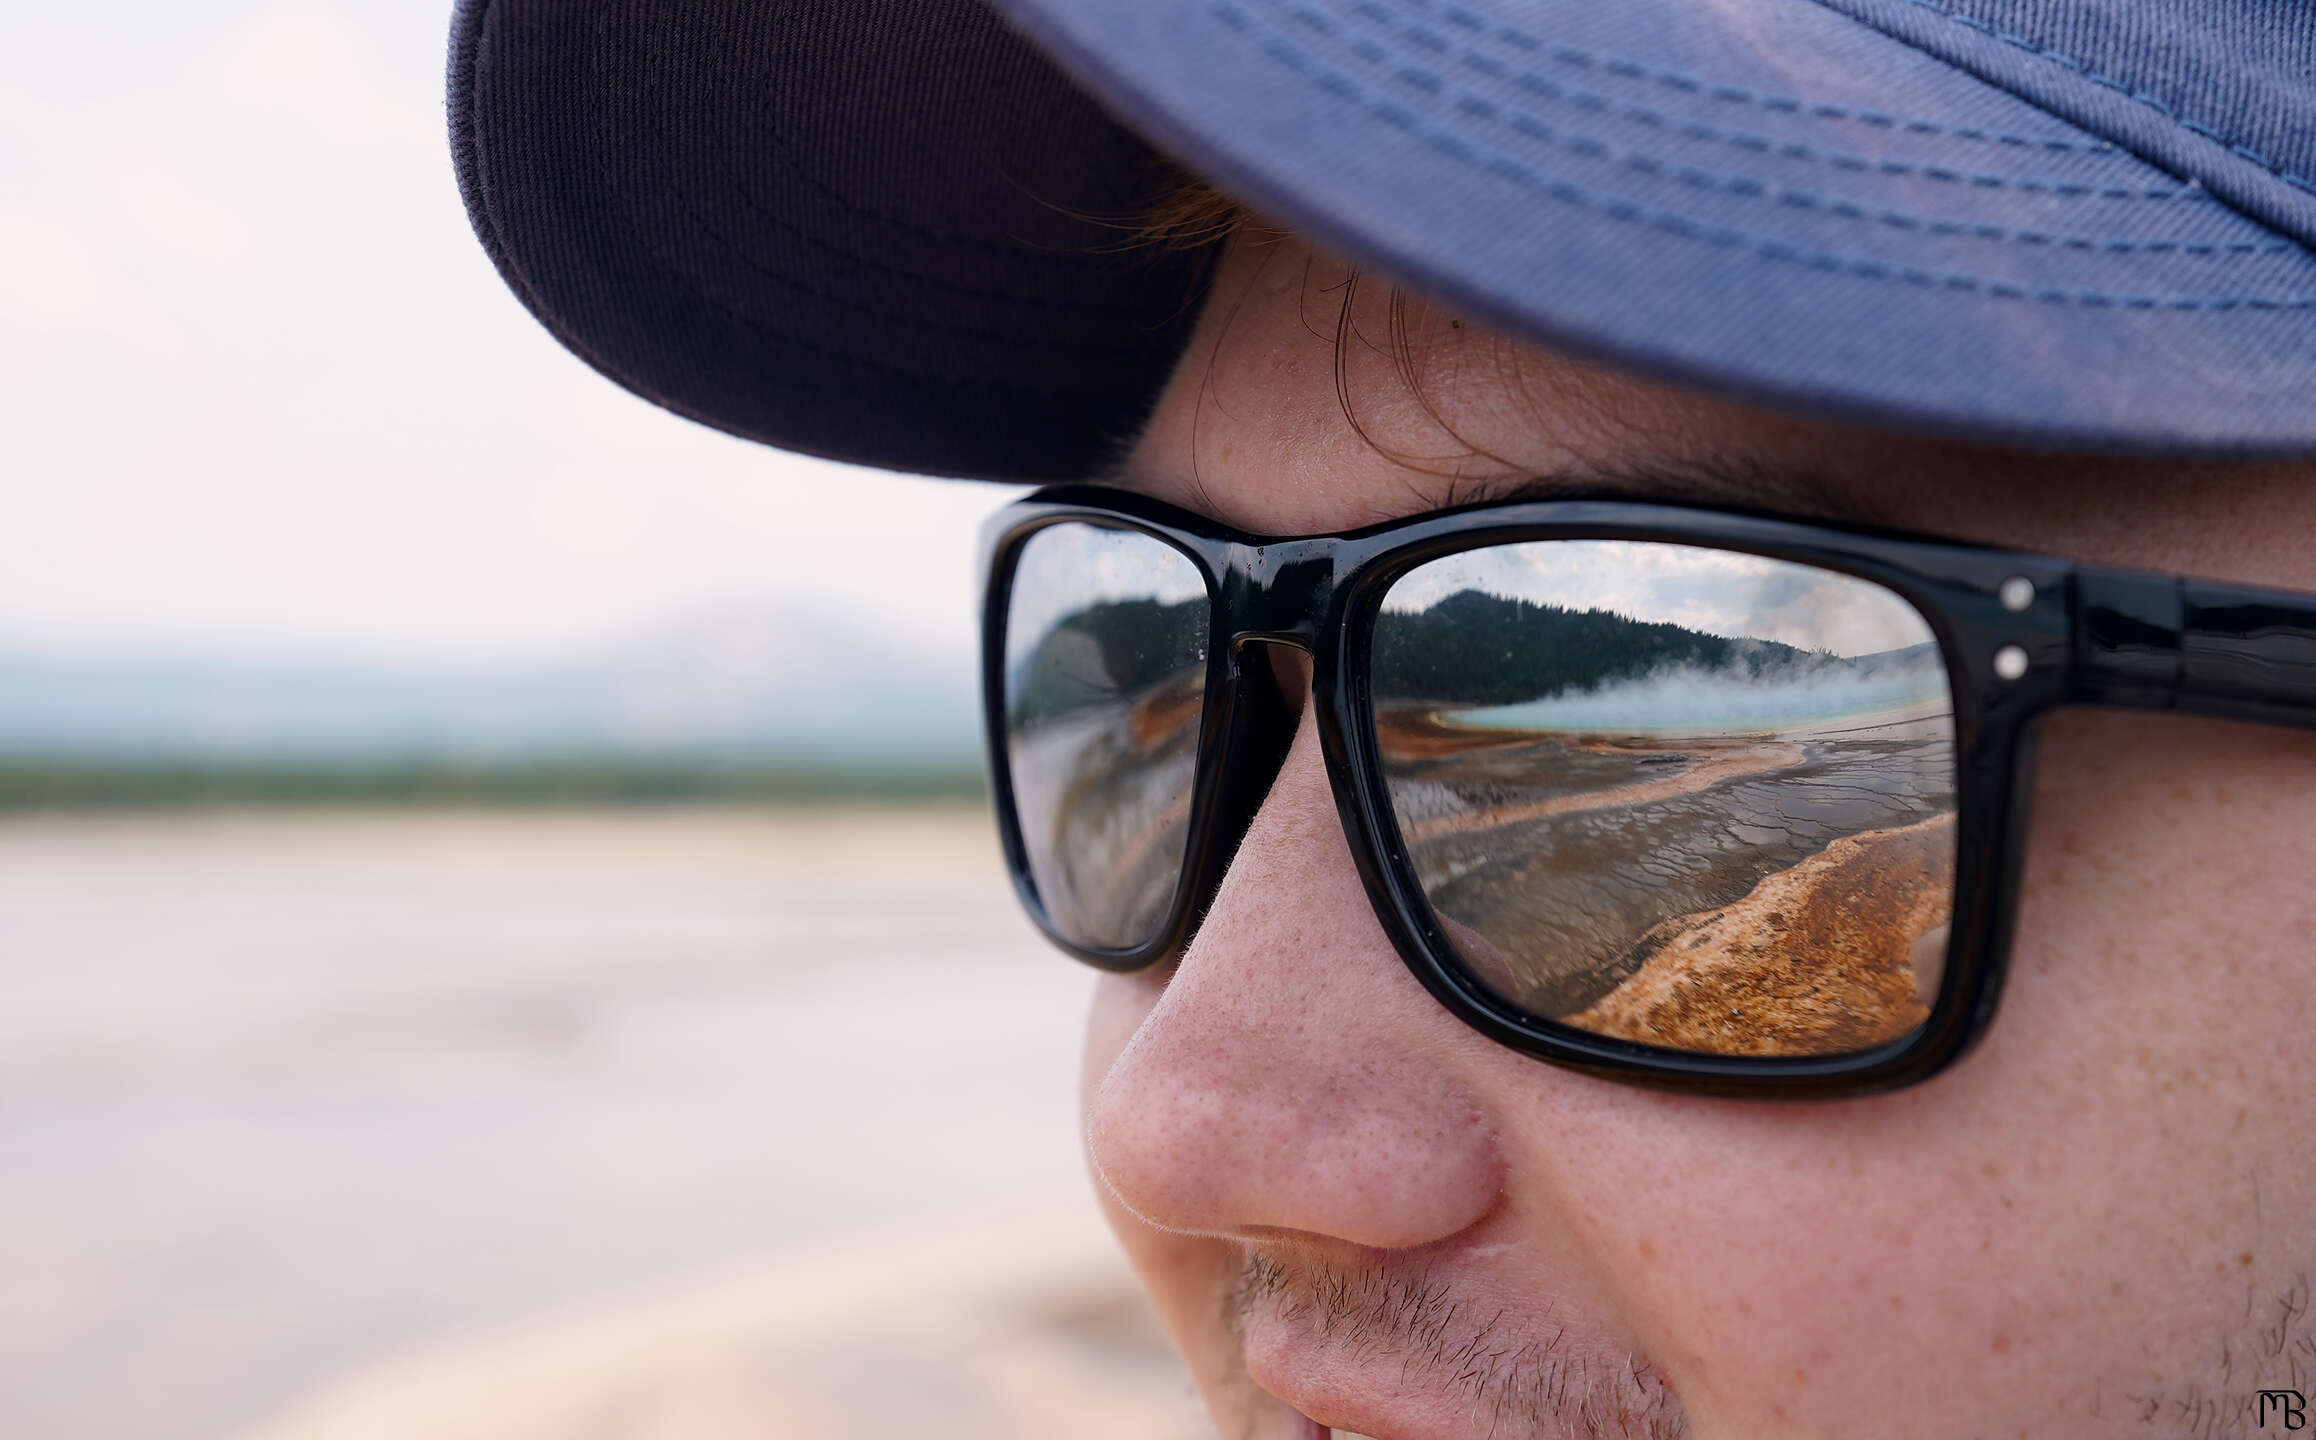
(886, 231)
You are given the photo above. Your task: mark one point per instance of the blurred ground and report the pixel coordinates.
(988, 1331)
(665, 1125)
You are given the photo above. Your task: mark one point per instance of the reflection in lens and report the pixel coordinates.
(1675, 795)
(1105, 683)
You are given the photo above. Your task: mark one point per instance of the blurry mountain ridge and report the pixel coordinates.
(754, 678)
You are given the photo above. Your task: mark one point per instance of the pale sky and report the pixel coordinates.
(1716, 591)
(1065, 568)
(261, 390)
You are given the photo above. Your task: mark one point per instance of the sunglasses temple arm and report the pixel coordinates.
(2156, 642)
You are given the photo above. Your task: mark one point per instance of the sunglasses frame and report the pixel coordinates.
(2087, 634)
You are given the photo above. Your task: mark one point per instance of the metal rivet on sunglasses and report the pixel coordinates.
(2017, 593)
(2010, 662)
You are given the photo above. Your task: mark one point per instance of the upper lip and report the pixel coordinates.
(1400, 1351)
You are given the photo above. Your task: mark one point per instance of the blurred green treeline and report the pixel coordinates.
(45, 784)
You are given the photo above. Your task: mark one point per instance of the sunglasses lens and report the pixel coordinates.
(1668, 794)
(1105, 685)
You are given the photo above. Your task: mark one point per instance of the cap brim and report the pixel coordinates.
(885, 234)
(859, 231)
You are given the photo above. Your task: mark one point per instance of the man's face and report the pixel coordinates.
(1355, 1211)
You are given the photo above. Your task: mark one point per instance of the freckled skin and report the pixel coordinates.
(2084, 1229)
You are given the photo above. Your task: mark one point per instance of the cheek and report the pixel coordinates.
(1792, 1268)
(1121, 1004)
(1188, 1277)
(1175, 1268)
(2089, 1206)
(1797, 1275)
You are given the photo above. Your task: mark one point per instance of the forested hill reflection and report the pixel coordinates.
(1471, 649)
(1478, 649)
(1096, 655)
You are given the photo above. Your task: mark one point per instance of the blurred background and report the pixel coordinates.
(499, 934)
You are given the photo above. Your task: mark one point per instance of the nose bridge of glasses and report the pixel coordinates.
(1277, 591)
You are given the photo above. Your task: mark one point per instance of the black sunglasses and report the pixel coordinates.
(1706, 801)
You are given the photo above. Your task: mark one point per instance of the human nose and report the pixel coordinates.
(1293, 1076)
